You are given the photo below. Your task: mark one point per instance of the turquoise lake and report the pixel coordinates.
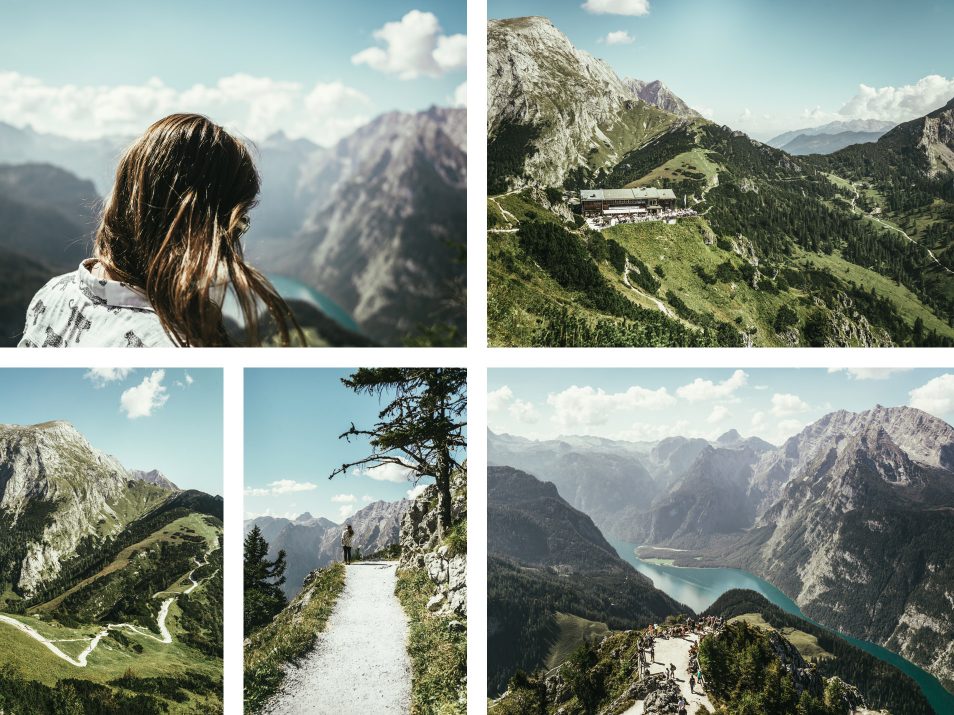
(290, 289)
(698, 588)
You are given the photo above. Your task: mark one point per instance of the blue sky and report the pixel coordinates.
(790, 64)
(148, 418)
(86, 69)
(650, 404)
(292, 421)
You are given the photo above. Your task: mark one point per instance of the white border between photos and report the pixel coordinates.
(477, 358)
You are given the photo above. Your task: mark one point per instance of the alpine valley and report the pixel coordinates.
(848, 246)
(852, 519)
(110, 582)
(366, 239)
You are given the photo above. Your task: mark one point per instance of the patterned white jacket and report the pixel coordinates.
(79, 310)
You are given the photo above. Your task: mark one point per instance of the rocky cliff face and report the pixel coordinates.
(862, 535)
(50, 474)
(568, 100)
(384, 223)
(421, 548)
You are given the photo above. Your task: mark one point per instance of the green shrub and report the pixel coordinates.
(437, 649)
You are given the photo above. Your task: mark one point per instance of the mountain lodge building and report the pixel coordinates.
(640, 201)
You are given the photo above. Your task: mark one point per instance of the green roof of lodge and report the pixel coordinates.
(643, 192)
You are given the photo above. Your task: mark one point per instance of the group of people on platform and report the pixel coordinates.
(691, 626)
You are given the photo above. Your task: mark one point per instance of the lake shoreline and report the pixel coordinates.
(699, 586)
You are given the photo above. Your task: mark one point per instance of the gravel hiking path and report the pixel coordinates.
(359, 664)
(676, 651)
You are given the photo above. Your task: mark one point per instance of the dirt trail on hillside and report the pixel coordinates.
(360, 663)
(676, 651)
(165, 637)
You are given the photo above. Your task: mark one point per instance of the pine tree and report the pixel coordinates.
(421, 429)
(263, 582)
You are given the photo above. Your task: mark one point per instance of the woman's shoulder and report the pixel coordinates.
(62, 314)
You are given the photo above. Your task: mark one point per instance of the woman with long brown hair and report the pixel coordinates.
(167, 251)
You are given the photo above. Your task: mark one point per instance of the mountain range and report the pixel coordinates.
(830, 137)
(95, 557)
(853, 517)
(842, 249)
(311, 542)
(375, 224)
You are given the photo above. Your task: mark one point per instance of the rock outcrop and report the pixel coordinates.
(421, 547)
(62, 492)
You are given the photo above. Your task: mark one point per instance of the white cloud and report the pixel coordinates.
(148, 395)
(415, 491)
(899, 104)
(774, 430)
(619, 37)
(869, 373)
(188, 378)
(251, 106)
(290, 486)
(387, 472)
(655, 431)
(415, 47)
(344, 511)
(700, 389)
(719, 413)
(707, 112)
(935, 396)
(589, 406)
(524, 411)
(617, 7)
(367, 499)
(344, 498)
(498, 399)
(100, 376)
(268, 512)
(460, 96)
(785, 404)
(280, 486)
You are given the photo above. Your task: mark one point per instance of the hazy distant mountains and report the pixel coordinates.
(831, 137)
(312, 542)
(376, 223)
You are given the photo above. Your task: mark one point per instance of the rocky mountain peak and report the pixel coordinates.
(659, 95)
(730, 437)
(155, 477)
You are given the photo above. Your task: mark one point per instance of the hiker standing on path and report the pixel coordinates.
(692, 684)
(346, 536)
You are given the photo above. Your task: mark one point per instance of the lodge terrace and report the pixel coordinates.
(641, 201)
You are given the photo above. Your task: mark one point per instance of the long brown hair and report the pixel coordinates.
(172, 228)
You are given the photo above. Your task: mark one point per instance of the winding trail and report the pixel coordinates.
(857, 210)
(360, 663)
(676, 651)
(164, 635)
